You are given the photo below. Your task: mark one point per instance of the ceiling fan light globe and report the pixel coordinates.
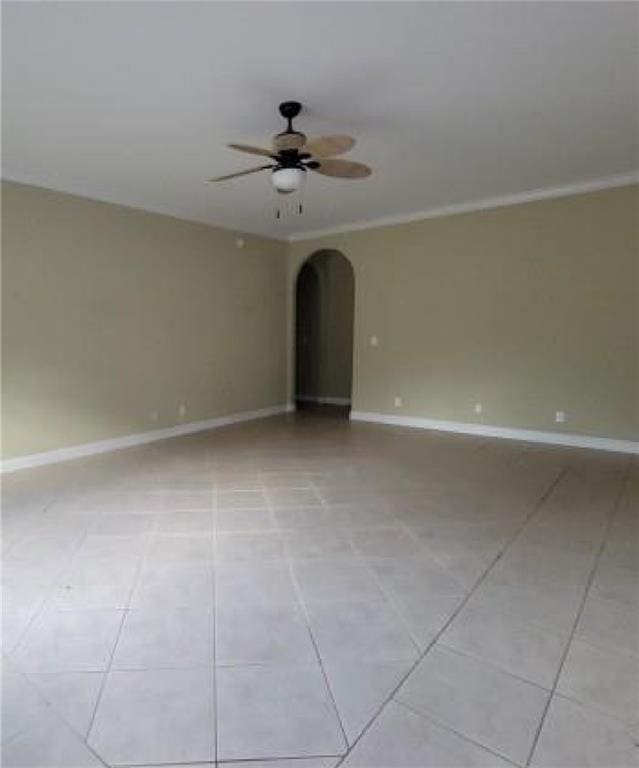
(287, 180)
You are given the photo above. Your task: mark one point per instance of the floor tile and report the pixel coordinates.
(50, 743)
(465, 563)
(574, 736)
(69, 641)
(73, 695)
(484, 704)
(180, 500)
(312, 544)
(391, 542)
(419, 577)
(370, 631)
(548, 609)
(336, 493)
(521, 649)
(603, 679)
(427, 617)
(180, 549)
(293, 497)
(404, 521)
(304, 518)
(16, 619)
(269, 712)
(400, 738)
(111, 550)
(259, 519)
(185, 522)
(89, 586)
(237, 482)
(122, 525)
(343, 579)
(312, 762)
(248, 546)
(165, 637)
(609, 625)
(543, 564)
(241, 499)
(22, 704)
(254, 634)
(161, 585)
(361, 688)
(620, 585)
(186, 765)
(286, 480)
(622, 553)
(155, 716)
(254, 584)
(366, 513)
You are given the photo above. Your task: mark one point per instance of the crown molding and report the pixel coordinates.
(83, 194)
(547, 193)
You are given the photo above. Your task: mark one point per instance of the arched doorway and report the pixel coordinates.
(324, 311)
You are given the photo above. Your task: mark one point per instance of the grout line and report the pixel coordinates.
(104, 679)
(390, 596)
(51, 709)
(214, 702)
(600, 646)
(593, 570)
(54, 712)
(48, 593)
(445, 726)
(235, 761)
(251, 761)
(305, 615)
(488, 663)
(605, 534)
(455, 613)
(125, 613)
(624, 724)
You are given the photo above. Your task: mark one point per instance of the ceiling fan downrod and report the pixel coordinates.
(289, 111)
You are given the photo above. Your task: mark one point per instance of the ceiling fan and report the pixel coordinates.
(293, 154)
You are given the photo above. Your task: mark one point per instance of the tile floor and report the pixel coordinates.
(302, 592)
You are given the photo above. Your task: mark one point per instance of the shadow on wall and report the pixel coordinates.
(325, 293)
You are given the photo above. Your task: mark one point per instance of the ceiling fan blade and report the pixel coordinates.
(241, 173)
(342, 169)
(329, 146)
(251, 150)
(293, 140)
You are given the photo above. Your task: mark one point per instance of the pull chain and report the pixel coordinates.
(300, 210)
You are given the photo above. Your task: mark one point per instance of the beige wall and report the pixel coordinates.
(110, 313)
(329, 374)
(528, 309)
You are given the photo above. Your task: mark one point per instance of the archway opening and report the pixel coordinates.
(324, 313)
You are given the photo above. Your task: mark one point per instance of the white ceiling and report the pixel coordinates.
(450, 102)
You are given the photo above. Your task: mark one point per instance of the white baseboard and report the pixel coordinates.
(320, 400)
(508, 433)
(127, 441)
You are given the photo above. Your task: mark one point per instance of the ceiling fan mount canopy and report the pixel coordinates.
(290, 109)
(293, 154)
